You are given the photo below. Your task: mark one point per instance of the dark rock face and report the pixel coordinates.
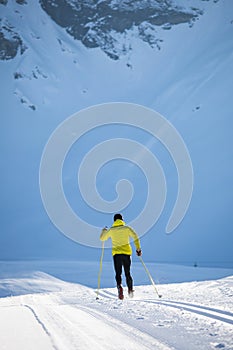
(107, 24)
(10, 43)
(21, 2)
(103, 23)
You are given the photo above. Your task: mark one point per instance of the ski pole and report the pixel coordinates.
(150, 277)
(100, 271)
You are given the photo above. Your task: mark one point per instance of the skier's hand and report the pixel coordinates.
(105, 229)
(138, 252)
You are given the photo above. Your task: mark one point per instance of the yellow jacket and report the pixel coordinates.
(120, 235)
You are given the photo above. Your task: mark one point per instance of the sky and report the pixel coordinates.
(188, 82)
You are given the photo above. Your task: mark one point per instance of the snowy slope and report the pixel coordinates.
(67, 316)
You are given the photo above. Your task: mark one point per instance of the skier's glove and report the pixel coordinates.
(138, 252)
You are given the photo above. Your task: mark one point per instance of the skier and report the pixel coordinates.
(121, 250)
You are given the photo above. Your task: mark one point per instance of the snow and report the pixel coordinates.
(41, 311)
(52, 304)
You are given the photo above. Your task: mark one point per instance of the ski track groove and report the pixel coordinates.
(192, 308)
(198, 312)
(226, 313)
(62, 330)
(42, 324)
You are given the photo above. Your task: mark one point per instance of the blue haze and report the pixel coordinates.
(191, 88)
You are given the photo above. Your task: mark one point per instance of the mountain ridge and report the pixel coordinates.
(99, 23)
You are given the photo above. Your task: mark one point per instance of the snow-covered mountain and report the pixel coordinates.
(58, 57)
(40, 48)
(101, 24)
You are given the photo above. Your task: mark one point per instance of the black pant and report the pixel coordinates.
(125, 261)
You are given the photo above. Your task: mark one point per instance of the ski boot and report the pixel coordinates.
(120, 293)
(130, 292)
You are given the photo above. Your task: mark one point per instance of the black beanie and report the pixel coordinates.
(117, 217)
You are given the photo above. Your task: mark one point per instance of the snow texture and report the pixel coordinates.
(44, 312)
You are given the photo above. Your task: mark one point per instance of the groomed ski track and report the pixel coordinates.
(77, 326)
(223, 316)
(189, 316)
